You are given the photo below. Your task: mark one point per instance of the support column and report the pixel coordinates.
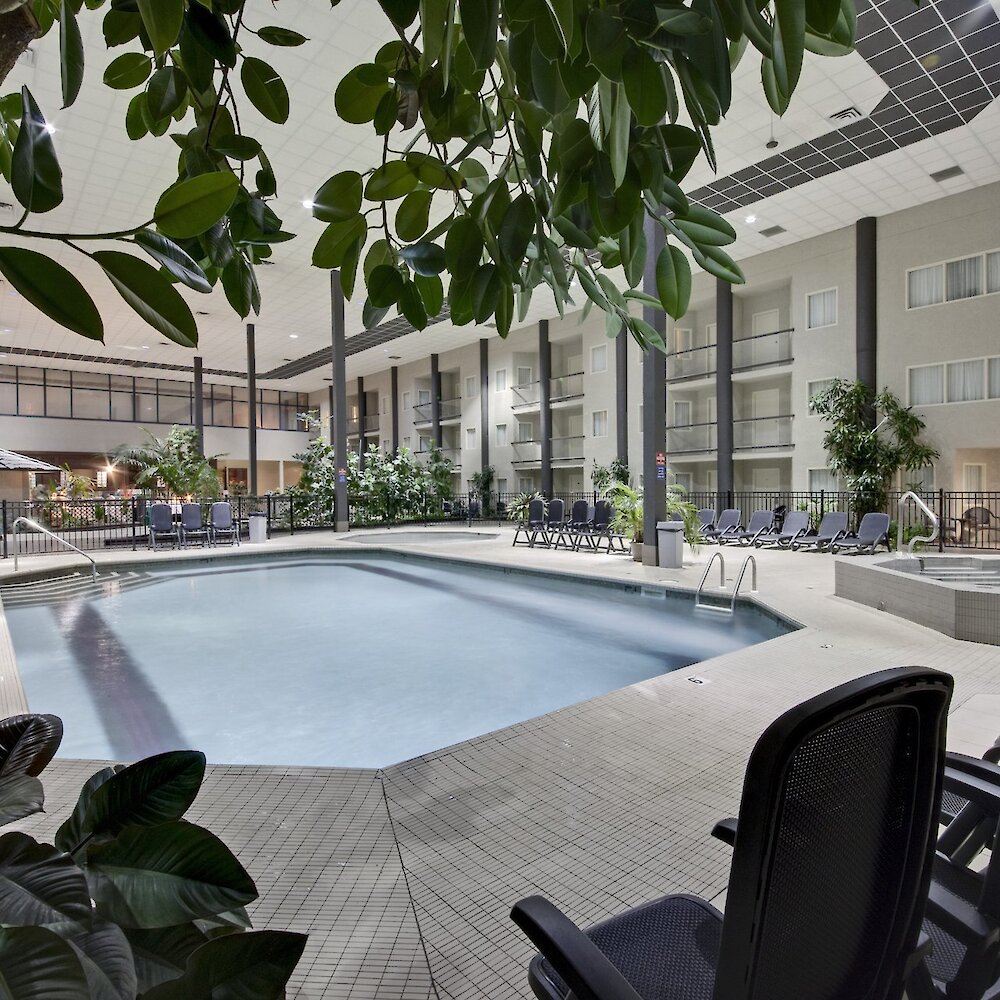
(199, 406)
(484, 402)
(724, 386)
(654, 405)
(866, 320)
(362, 413)
(338, 415)
(621, 396)
(331, 406)
(394, 392)
(435, 401)
(252, 411)
(545, 404)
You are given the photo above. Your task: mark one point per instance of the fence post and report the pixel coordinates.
(941, 519)
(291, 513)
(269, 511)
(5, 529)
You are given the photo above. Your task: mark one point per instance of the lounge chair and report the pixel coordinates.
(533, 525)
(555, 521)
(831, 528)
(192, 528)
(706, 518)
(873, 531)
(728, 524)
(161, 525)
(221, 526)
(830, 869)
(760, 523)
(795, 527)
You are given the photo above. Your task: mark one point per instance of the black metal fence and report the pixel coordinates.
(968, 520)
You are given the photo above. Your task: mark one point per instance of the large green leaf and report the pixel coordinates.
(719, 263)
(51, 288)
(162, 953)
(70, 54)
(28, 743)
(106, 958)
(358, 95)
(705, 228)
(266, 89)
(645, 87)
(252, 966)
(165, 92)
(274, 35)
(337, 240)
(463, 247)
(412, 215)
(39, 884)
(390, 181)
(35, 173)
(788, 39)
(36, 964)
(821, 15)
(673, 281)
(20, 796)
(175, 260)
(240, 285)
(480, 23)
(164, 875)
(411, 305)
(431, 292)
(191, 207)
(339, 198)
(129, 70)
(384, 286)
(516, 230)
(425, 258)
(152, 297)
(72, 832)
(163, 20)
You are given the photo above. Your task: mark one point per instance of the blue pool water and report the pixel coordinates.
(353, 662)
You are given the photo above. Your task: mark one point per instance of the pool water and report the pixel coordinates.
(359, 661)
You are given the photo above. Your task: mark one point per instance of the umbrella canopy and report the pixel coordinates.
(12, 461)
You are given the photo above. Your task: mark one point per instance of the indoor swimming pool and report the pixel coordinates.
(358, 660)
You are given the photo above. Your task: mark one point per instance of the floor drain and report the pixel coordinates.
(698, 680)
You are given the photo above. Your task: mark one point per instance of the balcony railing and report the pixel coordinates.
(566, 386)
(354, 426)
(564, 448)
(527, 451)
(692, 437)
(451, 408)
(454, 455)
(695, 363)
(763, 432)
(422, 413)
(766, 349)
(525, 395)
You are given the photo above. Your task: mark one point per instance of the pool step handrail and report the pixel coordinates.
(45, 531)
(731, 610)
(934, 519)
(752, 562)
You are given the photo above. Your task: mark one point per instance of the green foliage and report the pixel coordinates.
(865, 452)
(629, 511)
(175, 461)
(132, 901)
(517, 508)
(482, 485)
(548, 139)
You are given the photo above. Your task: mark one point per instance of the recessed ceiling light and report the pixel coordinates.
(751, 219)
(307, 203)
(293, 336)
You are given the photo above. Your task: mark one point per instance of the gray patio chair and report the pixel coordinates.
(221, 525)
(830, 868)
(533, 524)
(832, 527)
(578, 521)
(761, 522)
(728, 524)
(795, 526)
(872, 532)
(706, 518)
(601, 530)
(555, 522)
(161, 525)
(192, 527)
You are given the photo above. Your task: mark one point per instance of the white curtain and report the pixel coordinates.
(926, 385)
(823, 309)
(822, 479)
(993, 271)
(925, 286)
(993, 379)
(964, 278)
(965, 380)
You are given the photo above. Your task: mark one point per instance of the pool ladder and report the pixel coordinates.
(45, 531)
(731, 610)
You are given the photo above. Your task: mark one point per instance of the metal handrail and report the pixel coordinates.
(698, 603)
(935, 523)
(749, 561)
(45, 531)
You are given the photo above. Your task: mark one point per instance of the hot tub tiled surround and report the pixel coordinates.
(956, 595)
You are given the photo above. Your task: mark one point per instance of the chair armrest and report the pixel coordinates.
(584, 967)
(958, 918)
(978, 784)
(725, 830)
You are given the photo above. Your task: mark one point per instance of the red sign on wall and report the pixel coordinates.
(661, 459)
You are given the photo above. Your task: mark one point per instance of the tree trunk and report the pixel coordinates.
(17, 30)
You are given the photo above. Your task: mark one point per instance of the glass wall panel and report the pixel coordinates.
(57, 402)
(145, 407)
(121, 406)
(175, 409)
(30, 376)
(8, 398)
(91, 404)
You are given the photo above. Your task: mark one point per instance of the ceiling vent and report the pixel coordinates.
(773, 231)
(947, 174)
(846, 114)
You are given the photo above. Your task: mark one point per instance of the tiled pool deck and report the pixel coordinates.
(403, 878)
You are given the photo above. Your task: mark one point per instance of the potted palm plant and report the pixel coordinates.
(627, 505)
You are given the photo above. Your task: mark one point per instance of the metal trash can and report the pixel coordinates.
(258, 527)
(670, 544)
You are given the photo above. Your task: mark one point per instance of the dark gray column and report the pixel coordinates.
(654, 405)
(338, 415)
(621, 396)
(199, 406)
(332, 405)
(866, 322)
(252, 411)
(545, 404)
(484, 401)
(724, 385)
(362, 413)
(435, 401)
(394, 390)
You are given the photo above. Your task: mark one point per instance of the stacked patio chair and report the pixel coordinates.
(221, 526)
(533, 525)
(873, 531)
(831, 867)
(761, 521)
(555, 522)
(579, 520)
(728, 524)
(161, 525)
(192, 528)
(831, 528)
(795, 526)
(600, 529)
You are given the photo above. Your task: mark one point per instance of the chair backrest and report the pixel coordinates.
(834, 845)
(536, 511)
(760, 520)
(222, 514)
(557, 511)
(602, 514)
(833, 523)
(873, 527)
(796, 521)
(578, 512)
(707, 516)
(977, 517)
(474, 509)
(729, 518)
(161, 517)
(191, 516)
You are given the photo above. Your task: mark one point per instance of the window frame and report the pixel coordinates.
(593, 414)
(810, 412)
(594, 370)
(943, 264)
(985, 398)
(836, 307)
(500, 376)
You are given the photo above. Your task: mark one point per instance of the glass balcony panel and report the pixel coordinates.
(422, 413)
(769, 349)
(527, 451)
(525, 395)
(694, 437)
(696, 363)
(566, 386)
(566, 447)
(451, 408)
(763, 432)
